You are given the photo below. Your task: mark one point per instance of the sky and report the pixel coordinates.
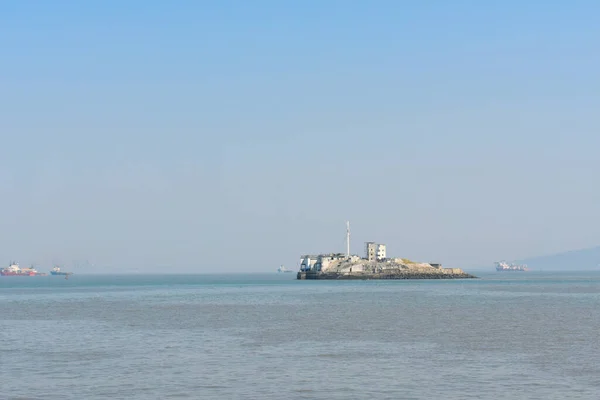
(234, 136)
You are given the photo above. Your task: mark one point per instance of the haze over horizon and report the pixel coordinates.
(235, 136)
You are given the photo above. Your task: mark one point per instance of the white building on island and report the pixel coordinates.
(375, 251)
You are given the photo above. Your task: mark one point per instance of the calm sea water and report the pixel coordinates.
(505, 336)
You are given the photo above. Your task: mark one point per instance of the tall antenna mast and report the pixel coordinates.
(348, 239)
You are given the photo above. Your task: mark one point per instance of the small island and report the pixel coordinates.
(374, 265)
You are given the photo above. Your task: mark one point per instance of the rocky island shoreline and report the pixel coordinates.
(395, 275)
(357, 270)
(374, 265)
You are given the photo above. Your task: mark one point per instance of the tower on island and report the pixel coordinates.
(348, 239)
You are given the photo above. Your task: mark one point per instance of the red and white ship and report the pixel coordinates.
(14, 270)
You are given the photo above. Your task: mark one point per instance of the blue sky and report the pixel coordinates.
(236, 135)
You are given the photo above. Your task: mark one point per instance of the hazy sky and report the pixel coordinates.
(209, 136)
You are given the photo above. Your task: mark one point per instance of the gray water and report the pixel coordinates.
(506, 336)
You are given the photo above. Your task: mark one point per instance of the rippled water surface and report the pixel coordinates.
(505, 336)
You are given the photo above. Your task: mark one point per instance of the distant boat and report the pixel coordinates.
(283, 269)
(56, 271)
(504, 266)
(14, 270)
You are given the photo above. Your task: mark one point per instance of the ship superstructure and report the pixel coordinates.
(505, 266)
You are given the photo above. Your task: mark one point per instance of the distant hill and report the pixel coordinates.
(576, 260)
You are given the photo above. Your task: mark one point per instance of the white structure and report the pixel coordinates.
(308, 262)
(347, 238)
(13, 267)
(319, 262)
(325, 260)
(381, 252)
(375, 251)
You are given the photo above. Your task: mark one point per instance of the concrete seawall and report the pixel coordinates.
(407, 274)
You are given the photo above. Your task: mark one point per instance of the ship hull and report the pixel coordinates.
(3, 273)
(59, 273)
(511, 270)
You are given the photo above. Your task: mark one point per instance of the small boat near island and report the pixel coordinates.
(56, 271)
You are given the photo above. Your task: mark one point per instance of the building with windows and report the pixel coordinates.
(375, 251)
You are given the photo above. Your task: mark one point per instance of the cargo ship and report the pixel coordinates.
(283, 269)
(14, 270)
(56, 271)
(504, 266)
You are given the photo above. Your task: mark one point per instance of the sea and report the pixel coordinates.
(507, 335)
